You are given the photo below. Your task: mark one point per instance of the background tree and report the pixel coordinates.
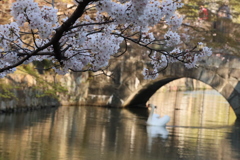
(92, 33)
(220, 33)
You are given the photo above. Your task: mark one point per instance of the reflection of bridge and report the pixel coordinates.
(130, 89)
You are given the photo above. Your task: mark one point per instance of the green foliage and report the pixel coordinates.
(52, 89)
(29, 69)
(43, 66)
(52, 92)
(7, 91)
(49, 88)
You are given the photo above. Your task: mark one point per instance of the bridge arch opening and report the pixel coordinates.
(169, 85)
(180, 97)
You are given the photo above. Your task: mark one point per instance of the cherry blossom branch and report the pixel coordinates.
(51, 3)
(164, 52)
(22, 60)
(86, 43)
(90, 24)
(37, 54)
(66, 26)
(125, 50)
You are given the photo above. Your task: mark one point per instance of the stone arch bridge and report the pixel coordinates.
(129, 88)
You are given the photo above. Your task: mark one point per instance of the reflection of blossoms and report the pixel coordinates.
(86, 42)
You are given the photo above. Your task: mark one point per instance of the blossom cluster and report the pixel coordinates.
(41, 19)
(92, 39)
(190, 59)
(9, 33)
(142, 13)
(172, 39)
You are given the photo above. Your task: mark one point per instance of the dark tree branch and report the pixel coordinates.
(89, 24)
(37, 54)
(164, 52)
(65, 27)
(125, 50)
(55, 39)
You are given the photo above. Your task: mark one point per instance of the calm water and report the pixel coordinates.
(202, 127)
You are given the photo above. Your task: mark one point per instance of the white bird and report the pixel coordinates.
(155, 119)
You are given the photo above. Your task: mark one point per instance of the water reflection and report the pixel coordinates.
(157, 131)
(194, 108)
(234, 137)
(79, 133)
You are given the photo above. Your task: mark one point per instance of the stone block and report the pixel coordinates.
(233, 82)
(227, 90)
(223, 72)
(235, 73)
(207, 77)
(194, 73)
(235, 63)
(216, 82)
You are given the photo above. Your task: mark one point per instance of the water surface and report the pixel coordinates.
(202, 127)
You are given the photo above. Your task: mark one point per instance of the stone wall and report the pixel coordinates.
(77, 85)
(21, 92)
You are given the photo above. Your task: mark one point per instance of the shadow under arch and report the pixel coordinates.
(221, 85)
(143, 95)
(234, 136)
